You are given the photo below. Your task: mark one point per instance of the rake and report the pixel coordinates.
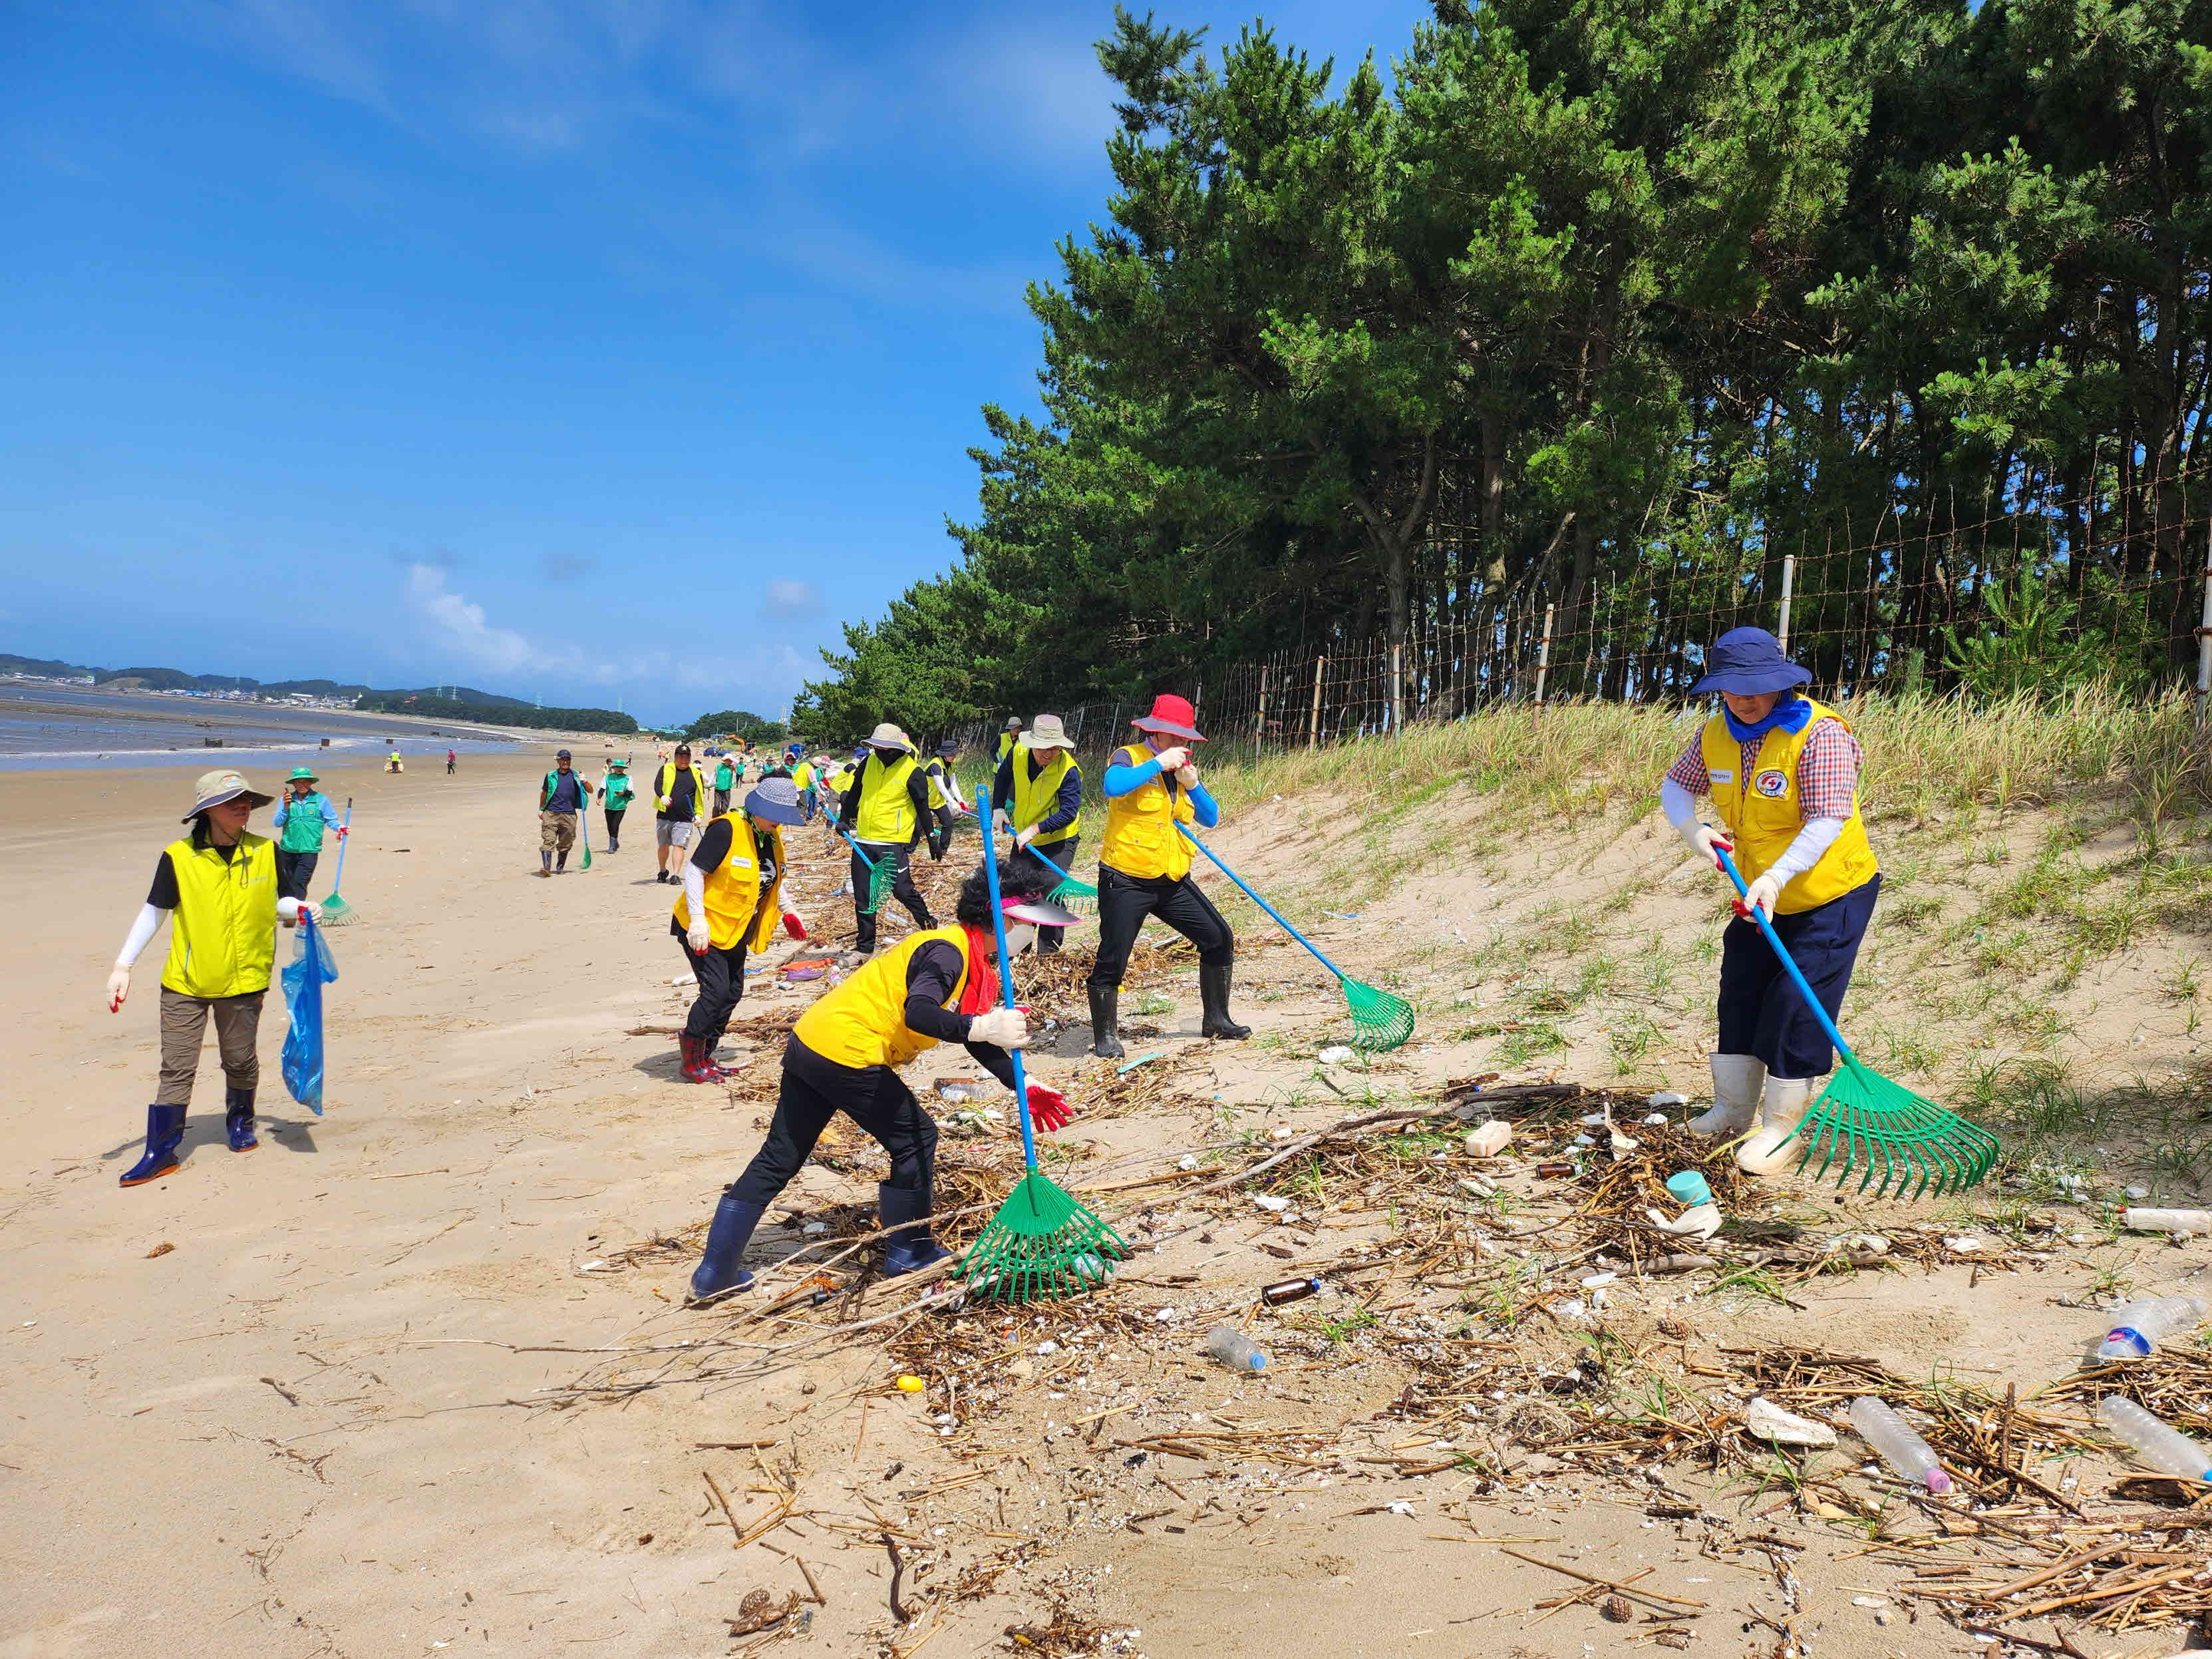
(1075, 894)
(336, 911)
(883, 875)
(584, 823)
(1041, 1242)
(1379, 1020)
(1871, 1122)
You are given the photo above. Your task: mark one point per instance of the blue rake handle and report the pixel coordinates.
(855, 847)
(1041, 858)
(1262, 903)
(1796, 975)
(337, 877)
(1006, 992)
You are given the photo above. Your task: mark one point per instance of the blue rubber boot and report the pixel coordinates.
(914, 1247)
(718, 1273)
(238, 1119)
(165, 1127)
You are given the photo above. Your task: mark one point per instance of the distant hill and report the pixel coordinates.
(507, 711)
(10, 663)
(452, 698)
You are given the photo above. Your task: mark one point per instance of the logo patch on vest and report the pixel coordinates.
(1772, 784)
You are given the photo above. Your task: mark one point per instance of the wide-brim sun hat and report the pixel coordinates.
(888, 736)
(1045, 732)
(216, 787)
(1172, 715)
(1748, 662)
(1039, 913)
(304, 774)
(775, 800)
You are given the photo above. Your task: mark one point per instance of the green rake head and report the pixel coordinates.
(1076, 895)
(1865, 1121)
(1040, 1243)
(1380, 1022)
(881, 880)
(335, 912)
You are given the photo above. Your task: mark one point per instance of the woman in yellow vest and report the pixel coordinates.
(1782, 773)
(946, 797)
(885, 811)
(1039, 788)
(939, 986)
(731, 900)
(219, 885)
(1144, 869)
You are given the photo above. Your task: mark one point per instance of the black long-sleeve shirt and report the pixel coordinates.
(930, 974)
(1067, 804)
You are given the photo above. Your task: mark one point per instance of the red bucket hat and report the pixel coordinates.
(1172, 715)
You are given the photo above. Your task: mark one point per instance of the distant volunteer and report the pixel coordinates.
(946, 797)
(302, 816)
(802, 775)
(563, 798)
(1039, 788)
(726, 773)
(679, 802)
(1782, 771)
(1007, 738)
(730, 905)
(615, 795)
(1144, 869)
(218, 886)
(883, 811)
(939, 985)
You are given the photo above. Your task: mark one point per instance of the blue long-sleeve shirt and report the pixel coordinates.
(331, 822)
(1066, 803)
(1121, 779)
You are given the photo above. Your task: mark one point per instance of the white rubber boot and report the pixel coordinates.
(1782, 1108)
(1737, 1079)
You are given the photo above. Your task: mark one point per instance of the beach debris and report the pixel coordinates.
(1335, 1054)
(1234, 1349)
(1487, 1142)
(1763, 1420)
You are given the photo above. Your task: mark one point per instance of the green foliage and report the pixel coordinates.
(737, 722)
(443, 708)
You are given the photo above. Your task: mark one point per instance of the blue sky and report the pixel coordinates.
(612, 349)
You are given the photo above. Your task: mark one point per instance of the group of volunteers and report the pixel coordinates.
(1780, 770)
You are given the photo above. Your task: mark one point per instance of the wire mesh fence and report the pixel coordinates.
(2053, 592)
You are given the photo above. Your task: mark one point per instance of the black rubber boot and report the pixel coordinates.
(718, 1273)
(1105, 1004)
(912, 1247)
(238, 1119)
(165, 1127)
(561, 865)
(1214, 997)
(544, 862)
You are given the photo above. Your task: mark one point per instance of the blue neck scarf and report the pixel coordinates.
(1790, 717)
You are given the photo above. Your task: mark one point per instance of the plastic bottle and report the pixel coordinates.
(2137, 1326)
(2167, 1450)
(1235, 1350)
(1896, 1443)
(2137, 1219)
(1288, 1289)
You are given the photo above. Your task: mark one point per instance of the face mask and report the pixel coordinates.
(1019, 937)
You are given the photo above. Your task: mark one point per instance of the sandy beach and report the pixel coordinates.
(414, 1376)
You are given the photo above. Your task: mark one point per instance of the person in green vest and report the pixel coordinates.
(726, 779)
(884, 813)
(1039, 788)
(219, 884)
(562, 798)
(615, 795)
(301, 817)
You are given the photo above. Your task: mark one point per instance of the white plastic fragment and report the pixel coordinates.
(1768, 1421)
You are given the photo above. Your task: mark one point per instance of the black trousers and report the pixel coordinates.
(1124, 901)
(1762, 1011)
(903, 888)
(814, 1091)
(1063, 854)
(614, 825)
(940, 837)
(721, 976)
(293, 871)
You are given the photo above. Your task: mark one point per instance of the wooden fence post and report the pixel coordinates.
(1313, 724)
(1544, 655)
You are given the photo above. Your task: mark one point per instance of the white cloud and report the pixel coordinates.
(461, 623)
(785, 597)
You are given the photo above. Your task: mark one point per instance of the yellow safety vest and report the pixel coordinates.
(863, 1021)
(222, 939)
(1007, 741)
(938, 799)
(802, 775)
(1141, 839)
(737, 908)
(1037, 799)
(886, 812)
(1763, 816)
(702, 800)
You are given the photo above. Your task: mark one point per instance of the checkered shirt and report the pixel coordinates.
(1827, 769)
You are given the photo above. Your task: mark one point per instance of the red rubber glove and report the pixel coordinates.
(1048, 1108)
(340, 832)
(792, 927)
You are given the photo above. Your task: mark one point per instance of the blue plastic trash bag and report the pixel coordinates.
(310, 969)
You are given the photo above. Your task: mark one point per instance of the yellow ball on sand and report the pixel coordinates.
(910, 1385)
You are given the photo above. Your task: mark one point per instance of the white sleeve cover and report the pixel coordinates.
(1801, 854)
(695, 891)
(141, 932)
(1681, 810)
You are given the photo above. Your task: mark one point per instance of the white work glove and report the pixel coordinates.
(1173, 759)
(1760, 895)
(1004, 1027)
(1023, 838)
(1188, 777)
(119, 987)
(1001, 823)
(697, 937)
(1707, 842)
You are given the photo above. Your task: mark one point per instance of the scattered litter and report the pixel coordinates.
(1667, 1097)
(1235, 1350)
(1269, 1201)
(1488, 1141)
(911, 1385)
(1767, 1421)
(1336, 1054)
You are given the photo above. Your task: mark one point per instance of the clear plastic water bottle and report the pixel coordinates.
(2167, 1450)
(2138, 1326)
(1235, 1350)
(1895, 1442)
(2137, 1219)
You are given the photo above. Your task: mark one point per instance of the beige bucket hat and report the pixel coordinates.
(888, 736)
(1045, 732)
(216, 787)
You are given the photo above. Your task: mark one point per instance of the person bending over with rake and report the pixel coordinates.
(1144, 869)
(937, 985)
(1782, 771)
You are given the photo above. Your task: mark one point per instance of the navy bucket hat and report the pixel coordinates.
(1748, 660)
